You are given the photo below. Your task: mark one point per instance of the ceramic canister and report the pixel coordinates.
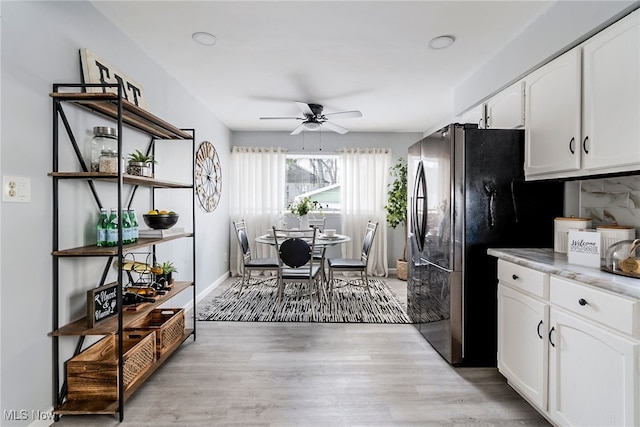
(613, 233)
(561, 227)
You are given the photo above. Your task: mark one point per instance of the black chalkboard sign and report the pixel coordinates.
(101, 303)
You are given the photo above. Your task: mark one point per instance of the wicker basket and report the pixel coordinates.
(168, 323)
(93, 374)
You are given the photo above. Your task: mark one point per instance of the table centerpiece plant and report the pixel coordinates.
(301, 208)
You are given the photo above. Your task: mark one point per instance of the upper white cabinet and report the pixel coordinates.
(582, 110)
(506, 109)
(611, 97)
(476, 115)
(552, 132)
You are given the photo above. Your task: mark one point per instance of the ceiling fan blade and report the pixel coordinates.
(344, 114)
(334, 127)
(299, 129)
(279, 118)
(304, 107)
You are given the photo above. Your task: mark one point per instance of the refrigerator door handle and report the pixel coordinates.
(490, 190)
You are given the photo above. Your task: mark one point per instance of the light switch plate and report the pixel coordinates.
(16, 189)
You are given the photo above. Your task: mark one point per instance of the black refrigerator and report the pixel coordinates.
(467, 193)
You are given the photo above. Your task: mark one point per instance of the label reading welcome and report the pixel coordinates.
(583, 248)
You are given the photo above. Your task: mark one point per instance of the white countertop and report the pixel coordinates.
(548, 261)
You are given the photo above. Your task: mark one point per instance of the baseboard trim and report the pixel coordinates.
(206, 291)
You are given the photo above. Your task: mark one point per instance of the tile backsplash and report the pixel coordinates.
(611, 200)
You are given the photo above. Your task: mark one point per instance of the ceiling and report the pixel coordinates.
(371, 56)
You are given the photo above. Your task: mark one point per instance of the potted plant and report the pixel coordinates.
(301, 209)
(396, 208)
(164, 272)
(140, 164)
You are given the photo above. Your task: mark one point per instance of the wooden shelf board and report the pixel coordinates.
(96, 407)
(110, 325)
(106, 104)
(93, 250)
(127, 179)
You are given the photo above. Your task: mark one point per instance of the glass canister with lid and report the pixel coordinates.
(104, 143)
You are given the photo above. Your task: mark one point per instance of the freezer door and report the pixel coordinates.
(441, 311)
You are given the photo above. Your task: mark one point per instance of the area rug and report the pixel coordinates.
(350, 304)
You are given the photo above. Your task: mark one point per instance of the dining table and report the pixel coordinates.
(322, 240)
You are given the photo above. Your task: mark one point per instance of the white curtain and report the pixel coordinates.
(258, 193)
(365, 177)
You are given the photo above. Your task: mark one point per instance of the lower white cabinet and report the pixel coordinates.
(592, 374)
(522, 343)
(570, 349)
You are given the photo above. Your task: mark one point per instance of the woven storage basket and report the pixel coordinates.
(93, 374)
(168, 323)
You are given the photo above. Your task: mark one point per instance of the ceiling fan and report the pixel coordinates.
(314, 118)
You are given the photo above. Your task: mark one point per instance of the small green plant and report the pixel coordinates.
(303, 206)
(139, 157)
(396, 206)
(166, 267)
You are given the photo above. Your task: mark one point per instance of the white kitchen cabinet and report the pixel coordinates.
(570, 349)
(611, 98)
(593, 376)
(506, 109)
(475, 115)
(552, 116)
(582, 109)
(522, 344)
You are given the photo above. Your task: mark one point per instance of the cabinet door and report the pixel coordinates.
(476, 115)
(611, 97)
(506, 109)
(552, 116)
(522, 343)
(593, 375)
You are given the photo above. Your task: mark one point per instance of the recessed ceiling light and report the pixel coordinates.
(441, 42)
(203, 38)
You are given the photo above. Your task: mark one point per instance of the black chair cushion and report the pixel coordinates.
(295, 252)
(263, 262)
(355, 264)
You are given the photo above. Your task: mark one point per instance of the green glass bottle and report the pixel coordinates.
(134, 225)
(101, 228)
(126, 228)
(112, 228)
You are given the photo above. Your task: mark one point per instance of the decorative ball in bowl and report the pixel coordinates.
(161, 221)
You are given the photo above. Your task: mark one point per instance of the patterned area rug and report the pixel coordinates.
(350, 304)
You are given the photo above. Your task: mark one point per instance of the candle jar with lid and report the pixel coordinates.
(104, 142)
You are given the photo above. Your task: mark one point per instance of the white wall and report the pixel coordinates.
(330, 142)
(40, 44)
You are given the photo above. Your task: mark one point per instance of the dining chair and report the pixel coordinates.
(352, 264)
(319, 253)
(250, 263)
(295, 259)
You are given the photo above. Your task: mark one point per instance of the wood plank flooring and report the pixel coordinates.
(306, 374)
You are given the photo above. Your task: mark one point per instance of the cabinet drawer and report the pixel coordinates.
(615, 311)
(523, 278)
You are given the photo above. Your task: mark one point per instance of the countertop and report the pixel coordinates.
(548, 261)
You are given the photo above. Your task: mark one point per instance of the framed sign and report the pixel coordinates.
(101, 303)
(97, 70)
(583, 248)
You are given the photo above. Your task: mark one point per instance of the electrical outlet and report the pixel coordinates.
(16, 189)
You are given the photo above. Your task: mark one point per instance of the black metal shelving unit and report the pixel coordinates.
(109, 103)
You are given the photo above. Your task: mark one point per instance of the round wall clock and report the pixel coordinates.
(208, 176)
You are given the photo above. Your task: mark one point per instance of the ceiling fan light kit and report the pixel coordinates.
(314, 118)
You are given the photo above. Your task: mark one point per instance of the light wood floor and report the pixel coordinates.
(306, 374)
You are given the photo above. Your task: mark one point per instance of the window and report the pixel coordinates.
(316, 176)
